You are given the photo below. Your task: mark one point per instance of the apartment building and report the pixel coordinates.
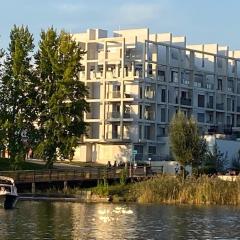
(137, 81)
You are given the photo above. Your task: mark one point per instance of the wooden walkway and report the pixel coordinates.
(80, 174)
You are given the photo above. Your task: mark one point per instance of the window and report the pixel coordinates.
(140, 131)
(233, 105)
(140, 92)
(198, 80)
(161, 75)
(201, 100)
(200, 117)
(161, 132)
(174, 76)
(163, 95)
(219, 84)
(163, 115)
(150, 69)
(138, 70)
(139, 148)
(209, 118)
(140, 111)
(147, 132)
(149, 92)
(219, 63)
(152, 150)
(203, 62)
(174, 54)
(210, 102)
(185, 78)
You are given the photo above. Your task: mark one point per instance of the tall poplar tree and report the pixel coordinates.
(60, 96)
(17, 91)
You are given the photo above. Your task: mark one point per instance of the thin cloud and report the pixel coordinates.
(70, 7)
(138, 13)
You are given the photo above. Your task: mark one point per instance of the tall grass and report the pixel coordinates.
(202, 190)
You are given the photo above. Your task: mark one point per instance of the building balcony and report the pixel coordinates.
(149, 115)
(220, 106)
(113, 115)
(117, 116)
(111, 74)
(115, 94)
(209, 105)
(116, 137)
(82, 75)
(127, 115)
(186, 101)
(162, 139)
(96, 75)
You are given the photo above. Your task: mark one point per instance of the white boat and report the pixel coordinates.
(8, 192)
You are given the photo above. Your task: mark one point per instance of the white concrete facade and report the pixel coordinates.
(229, 148)
(138, 80)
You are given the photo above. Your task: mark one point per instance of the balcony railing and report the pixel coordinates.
(113, 114)
(186, 101)
(115, 94)
(220, 106)
(149, 115)
(209, 105)
(117, 115)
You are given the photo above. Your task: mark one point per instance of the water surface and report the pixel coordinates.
(65, 220)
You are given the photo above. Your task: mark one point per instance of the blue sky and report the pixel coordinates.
(202, 21)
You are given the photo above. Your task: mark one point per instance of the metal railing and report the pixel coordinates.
(84, 173)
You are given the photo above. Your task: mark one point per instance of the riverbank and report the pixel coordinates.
(202, 190)
(162, 189)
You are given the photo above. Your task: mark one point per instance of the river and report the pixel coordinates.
(67, 220)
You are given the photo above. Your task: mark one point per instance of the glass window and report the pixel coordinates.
(201, 100)
(200, 117)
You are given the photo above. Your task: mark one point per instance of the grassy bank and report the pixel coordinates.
(5, 165)
(172, 190)
(202, 190)
(165, 189)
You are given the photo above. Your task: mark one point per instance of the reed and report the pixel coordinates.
(202, 190)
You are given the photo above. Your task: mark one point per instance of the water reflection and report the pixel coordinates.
(62, 220)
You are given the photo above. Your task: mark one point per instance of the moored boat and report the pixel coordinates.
(8, 192)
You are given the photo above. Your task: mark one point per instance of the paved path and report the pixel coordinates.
(55, 164)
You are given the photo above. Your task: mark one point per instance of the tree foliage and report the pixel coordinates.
(16, 93)
(214, 161)
(60, 95)
(187, 145)
(42, 99)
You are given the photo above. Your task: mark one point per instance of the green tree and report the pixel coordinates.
(60, 96)
(188, 147)
(17, 93)
(2, 131)
(214, 161)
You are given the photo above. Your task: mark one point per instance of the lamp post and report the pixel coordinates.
(149, 160)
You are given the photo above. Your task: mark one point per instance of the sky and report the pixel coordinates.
(201, 21)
